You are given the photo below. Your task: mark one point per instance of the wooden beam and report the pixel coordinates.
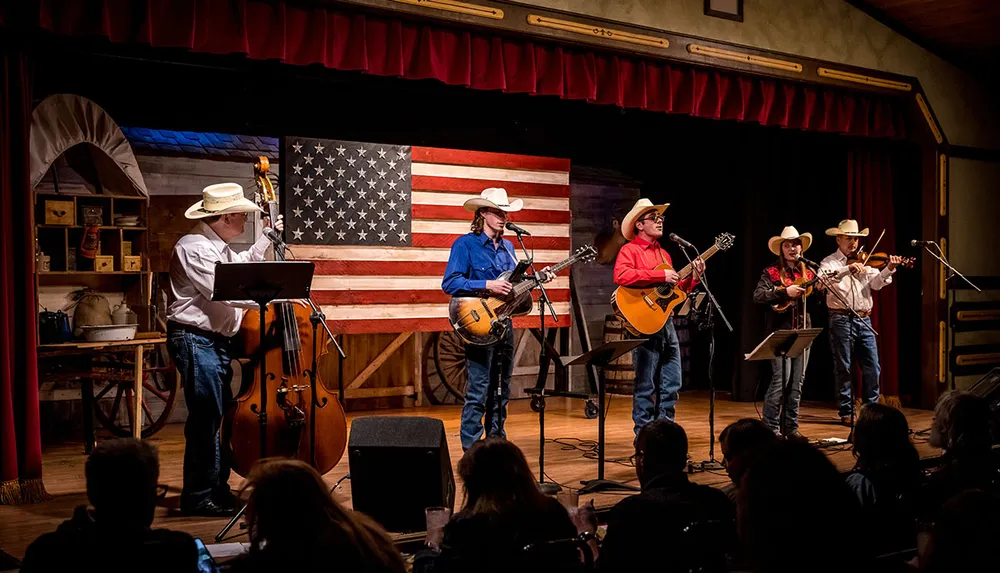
(630, 39)
(379, 392)
(377, 362)
(418, 367)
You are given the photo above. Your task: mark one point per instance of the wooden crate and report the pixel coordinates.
(59, 212)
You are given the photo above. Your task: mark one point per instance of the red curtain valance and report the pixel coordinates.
(386, 46)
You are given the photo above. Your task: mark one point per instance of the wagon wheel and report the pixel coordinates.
(114, 401)
(449, 363)
(434, 389)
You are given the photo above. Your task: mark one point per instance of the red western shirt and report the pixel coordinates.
(637, 261)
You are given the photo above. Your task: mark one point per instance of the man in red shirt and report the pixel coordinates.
(657, 362)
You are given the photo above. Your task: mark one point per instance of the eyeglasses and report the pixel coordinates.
(655, 218)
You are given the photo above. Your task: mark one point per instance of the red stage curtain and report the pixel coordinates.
(869, 201)
(338, 38)
(20, 439)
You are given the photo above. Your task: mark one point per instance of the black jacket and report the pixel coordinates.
(84, 544)
(673, 525)
(770, 290)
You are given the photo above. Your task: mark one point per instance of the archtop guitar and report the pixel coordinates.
(483, 320)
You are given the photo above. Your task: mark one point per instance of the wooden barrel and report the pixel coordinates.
(618, 377)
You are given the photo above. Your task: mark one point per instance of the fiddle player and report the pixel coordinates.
(658, 360)
(475, 262)
(847, 335)
(779, 283)
(199, 333)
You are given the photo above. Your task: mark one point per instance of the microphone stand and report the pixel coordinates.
(944, 261)
(709, 325)
(548, 488)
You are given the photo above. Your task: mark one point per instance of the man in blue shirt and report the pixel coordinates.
(476, 260)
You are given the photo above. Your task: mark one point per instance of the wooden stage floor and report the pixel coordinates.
(564, 461)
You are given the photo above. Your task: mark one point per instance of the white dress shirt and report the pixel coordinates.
(856, 289)
(192, 279)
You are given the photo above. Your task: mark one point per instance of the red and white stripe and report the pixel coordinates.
(398, 289)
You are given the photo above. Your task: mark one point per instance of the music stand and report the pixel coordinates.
(784, 344)
(601, 357)
(261, 282)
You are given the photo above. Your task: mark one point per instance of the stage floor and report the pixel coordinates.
(564, 459)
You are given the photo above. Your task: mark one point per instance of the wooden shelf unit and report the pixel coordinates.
(59, 241)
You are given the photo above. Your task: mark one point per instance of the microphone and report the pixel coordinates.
(918, 243)
(516, 229)
(270, 233)
(812, 264)
(673, 237)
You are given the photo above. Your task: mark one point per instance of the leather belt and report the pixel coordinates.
(173, 326)
(861, 313)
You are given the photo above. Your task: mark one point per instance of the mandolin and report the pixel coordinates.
(645, 310)
(483, 320)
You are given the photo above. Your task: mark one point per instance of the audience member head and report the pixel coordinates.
(292, 516)
(792, 503)
(882, 441)
(965, 534)
(121, 482)
(660, 448)
(496, 477)
(739, 440)
(961, 424)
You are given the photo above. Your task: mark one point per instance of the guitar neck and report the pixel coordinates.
(688, 269)
(524, 286)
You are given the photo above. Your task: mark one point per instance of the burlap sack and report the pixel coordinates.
(92, 309)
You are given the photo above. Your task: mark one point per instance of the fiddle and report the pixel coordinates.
(878, 260)
(300, 424)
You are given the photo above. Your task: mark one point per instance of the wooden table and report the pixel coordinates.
(138, 345)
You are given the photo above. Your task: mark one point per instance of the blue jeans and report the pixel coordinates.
(206, 374)
(487, 388)
(657, 377)
(795, 372)
(849, 336)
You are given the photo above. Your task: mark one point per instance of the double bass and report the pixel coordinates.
(298, 424)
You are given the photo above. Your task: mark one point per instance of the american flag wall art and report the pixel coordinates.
(379, 220)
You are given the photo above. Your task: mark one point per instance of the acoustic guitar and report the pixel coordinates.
(483, 320)
(644, 310)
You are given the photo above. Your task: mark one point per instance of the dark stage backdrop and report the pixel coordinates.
(717, 175)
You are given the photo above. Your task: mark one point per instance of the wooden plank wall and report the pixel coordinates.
(597, 199)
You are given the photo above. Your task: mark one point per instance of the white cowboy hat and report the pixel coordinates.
(220, 199)
(641, 207)
(847, 227)
(789, 233)
(496, 198)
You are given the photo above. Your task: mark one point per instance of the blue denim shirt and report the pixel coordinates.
(474, 260)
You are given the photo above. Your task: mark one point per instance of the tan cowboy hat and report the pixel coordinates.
(220, 199)
(496, 198)
(789, 233)
(847, 227)
(641, 207)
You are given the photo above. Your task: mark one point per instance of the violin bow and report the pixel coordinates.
(875, 248)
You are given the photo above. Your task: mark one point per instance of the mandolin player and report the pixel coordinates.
(476, 261)
(779, 286)
(657, 362)
(199, 331)
(847, 336)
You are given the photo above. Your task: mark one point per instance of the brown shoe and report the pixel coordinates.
(796, 436)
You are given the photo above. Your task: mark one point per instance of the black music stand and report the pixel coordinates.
(601, 357)
(784, 344)
(261, 282)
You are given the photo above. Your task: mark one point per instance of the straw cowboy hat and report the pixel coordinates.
(847, 227)
(641, 207)
(220, 199)
(789, 233)
(495, 198)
